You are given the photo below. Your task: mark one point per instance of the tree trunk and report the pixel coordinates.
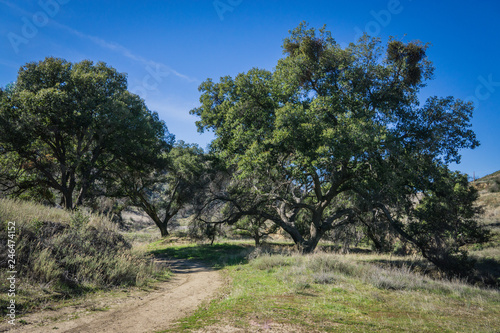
(152, 212)
(82, 194)
(376, 242)
(68, 199)
(256, 237)
(309, 245)
(162, 226)
(163, 229)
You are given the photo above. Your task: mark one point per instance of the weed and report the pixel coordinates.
(268, 262)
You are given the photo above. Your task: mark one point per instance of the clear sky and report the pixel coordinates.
(168, 47)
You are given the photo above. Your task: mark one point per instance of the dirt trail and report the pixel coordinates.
(192, 283)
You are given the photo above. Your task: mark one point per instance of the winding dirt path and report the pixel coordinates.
(192, 283)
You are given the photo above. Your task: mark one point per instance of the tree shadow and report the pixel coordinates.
(487, 272)
(216, 256)
(186, 266)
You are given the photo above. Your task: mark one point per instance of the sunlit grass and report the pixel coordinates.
(26, 211)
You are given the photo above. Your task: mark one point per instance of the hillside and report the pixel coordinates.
(489, 199)
(55, 255)
(489, 183)
(267, 288)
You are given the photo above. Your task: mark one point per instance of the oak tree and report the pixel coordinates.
(166, 190)
(337, 136)
(69, 126)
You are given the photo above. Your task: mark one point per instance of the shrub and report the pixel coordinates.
(268, 262)
(299, 272)
(73, 257)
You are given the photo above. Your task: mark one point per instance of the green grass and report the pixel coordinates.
(333, 293)
(267, 289)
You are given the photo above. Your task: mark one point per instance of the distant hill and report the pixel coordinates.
(489, 183)
(489, 200)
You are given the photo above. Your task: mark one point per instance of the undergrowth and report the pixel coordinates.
(61, 254)
(321, 268)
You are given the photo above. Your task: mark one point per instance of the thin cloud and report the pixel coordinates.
(124, 52)
(8, 63)
(109, 45)
(13, 6)
(172, 109)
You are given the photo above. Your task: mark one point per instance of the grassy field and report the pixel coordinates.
(326, 292)
(271, 288)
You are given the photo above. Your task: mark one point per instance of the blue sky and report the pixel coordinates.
(168, 48)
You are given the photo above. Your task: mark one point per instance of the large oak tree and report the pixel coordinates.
(335, 136)
(67, 127)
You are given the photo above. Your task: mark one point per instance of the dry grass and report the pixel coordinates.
(326, 268)
(62, 254)
(490, 202)
(26, 211)
(22, 211)
(489, 183)
(489, 199)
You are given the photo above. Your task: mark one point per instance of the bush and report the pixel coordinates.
(495, 186)
(76, 256)
(268, 262)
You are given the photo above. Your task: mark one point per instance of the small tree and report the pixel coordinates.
(163, 192)
(201, 230)
(444, 222)
(256, 227)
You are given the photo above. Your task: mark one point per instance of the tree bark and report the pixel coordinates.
(309, 245)
(256, 237)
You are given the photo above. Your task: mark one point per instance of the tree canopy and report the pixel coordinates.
(337, 136)
(67, 127)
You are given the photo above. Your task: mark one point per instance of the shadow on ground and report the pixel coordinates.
(217, 255)
(185, 266)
